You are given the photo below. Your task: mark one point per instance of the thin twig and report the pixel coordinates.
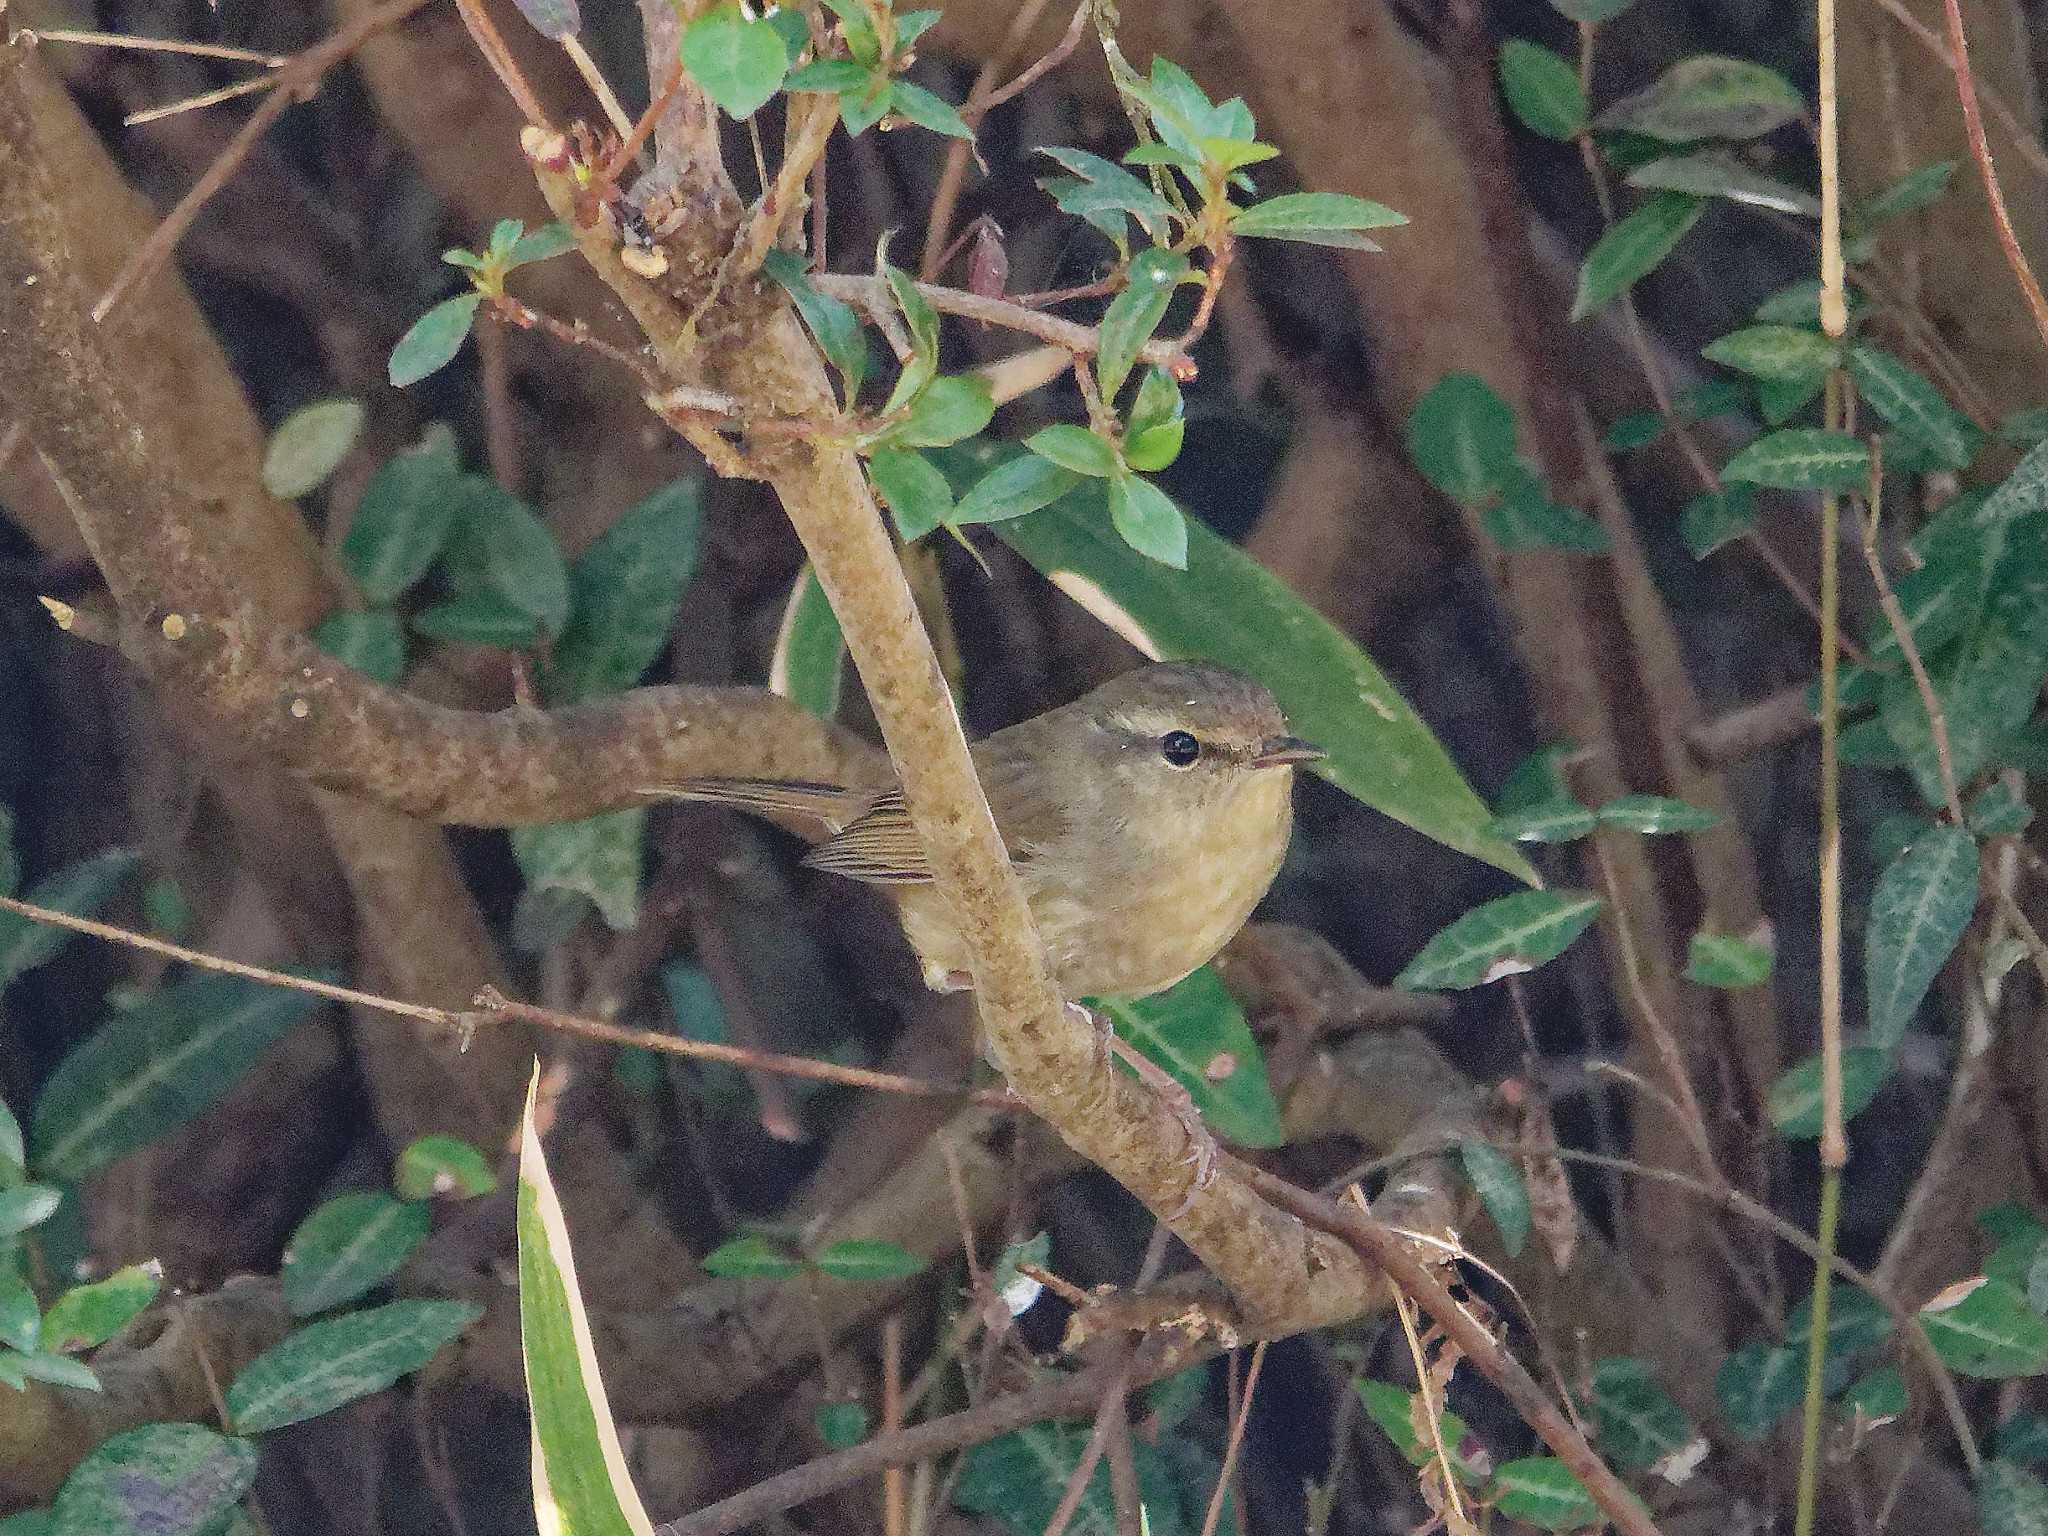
(1980, 151)
(600, 87)
(2024, 139)
(34, 35)
(491, 44)
(1098, 1441)
(212, 98)
(1236, 1441)
(491, 1005)
(296, 80)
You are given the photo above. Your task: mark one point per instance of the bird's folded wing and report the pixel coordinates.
(833, 804)
(880, 847)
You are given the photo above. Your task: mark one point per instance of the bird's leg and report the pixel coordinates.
(1202, 1151)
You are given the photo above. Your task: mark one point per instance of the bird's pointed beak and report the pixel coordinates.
(1285, 752)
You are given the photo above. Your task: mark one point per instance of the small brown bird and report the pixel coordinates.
(1146, 820)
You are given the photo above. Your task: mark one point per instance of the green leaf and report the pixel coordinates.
(433, 341)
(1717, 518)
(1998, 812)
(1939, 601)
(21, 1319)
(1757, 1386)
(340, 1359)
(13, 1157)
(831, 75)
(26, 1206)
(57, 1370)
(1918, 913)
(915, 491)
(1074, 448)
(499, 545)
(1909, 402)
(552, 239)
(2011, 1501)
(2024, 1438)
(1723, 960)
(86, 1316)
(1105, 194)
(1794, 1099)
(1019, 1478)
(738, 61)
(1798, 303)
(1551, 821)
(402, 521)
(858, 31)
(580, 1473)
(1708, 97)
(952, 407)
(159, 1480)
(809, 665)
(1539, 781)
(1229, 608)
(753, 1258)
(1461, 436)
(1987, 1330)
(1986, 686)
(1505, 937)
(1316, 218)
(1774, 352)
(1393, 1409)
(863, 106)
(1134, 314)
(2028, 428)
(348, 1246)
(923, 323)
(1146, 518)
(309, 445)
(1542, 1491)
(928, 111)
(1013, 488)
(81, 889)
(1639, 1423)
(1802, 459)
(436, 1165)
(1198, 1034)
(29, 1522)
(833, 325)
(868, 1259)
(1157, 425)
(1779, 400)
(478, 618)
(1636, 430)
(1655, 813)
(1917, 189)
(841, 1425)
(625, 590)
(598, 857)
(153, 1067)
(1717, 173)
(1501, 1191)
(1526, 520)
(1542, 90)
(372, 643)
(1631, 250)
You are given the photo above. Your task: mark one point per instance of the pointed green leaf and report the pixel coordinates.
(1909, 402)
(1794, 1098)
(599, 858)
(1197, 1032)
(1756, 1386)
(1723, 960)
(86, 1316)
(1640, 1424)
(433, 341)
(153, 1067)
(1717, 173)
(348, 1246)
(1146, 519)
(159, 1480)
(1917, 189)
(1551, 821)
(1502, 938)
(339, 1359)
(26, 1206)
(1461, 436)
(2011, 1501)
(1393, 1409)
(1987, 1330)
(1542, 90)
(1014, 487)
(550, 240)
(916, 493)
(1318, 218)
(1074, 448)
(868, 1259)
(1632, 249)
(625, 591)
(1717, 518)
(1656, 813)
(372, 643)
(499, 545)
(1526, 520)
(81, 889)
(1501, 1191)
(1542, 1491)
(1802, 459)
(751, 1257)
(1918, 913)
(1774, 352)
(309, 445)
(833, 325)
(1708, 97)
(478, 618)
(926, 110)
(951, 407)
(1134, 314)
(403, 520)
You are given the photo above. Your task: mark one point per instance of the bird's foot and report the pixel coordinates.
(1202, 1150)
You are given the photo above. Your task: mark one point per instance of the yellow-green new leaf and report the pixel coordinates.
(580, 1483)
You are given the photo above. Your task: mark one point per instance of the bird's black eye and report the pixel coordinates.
(1179, 749)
